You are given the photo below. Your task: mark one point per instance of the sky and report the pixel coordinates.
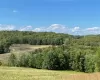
(77, 17)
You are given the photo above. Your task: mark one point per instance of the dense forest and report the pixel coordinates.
(78, 53)
(8, 38)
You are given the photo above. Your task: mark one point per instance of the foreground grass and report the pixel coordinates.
(15, 73)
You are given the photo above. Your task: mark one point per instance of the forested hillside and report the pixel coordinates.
(27, 37)
(78, 53)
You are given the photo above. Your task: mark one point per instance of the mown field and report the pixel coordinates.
(16, 73)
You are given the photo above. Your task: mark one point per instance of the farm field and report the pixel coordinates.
(18, 73)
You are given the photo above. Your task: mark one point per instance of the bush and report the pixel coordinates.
(89, 63)
(12, 60)
(98, 60)
(38, 60)
(51, 61)
(32, 60)
(23, 61)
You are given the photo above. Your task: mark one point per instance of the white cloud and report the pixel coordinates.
(26, 28)
(37, 29)
(15, 11)
(93, 29)
(53, 28)
(58, 28)
(75, 29)
(7, 27)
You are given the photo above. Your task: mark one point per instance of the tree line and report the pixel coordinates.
(7, 38)
(59, 58)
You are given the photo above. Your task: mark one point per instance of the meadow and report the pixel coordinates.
(19, 73)
(19, 49)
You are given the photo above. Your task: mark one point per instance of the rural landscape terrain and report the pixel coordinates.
(26, 55)
(49, 39)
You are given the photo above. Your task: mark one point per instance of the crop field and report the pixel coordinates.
(16, 73)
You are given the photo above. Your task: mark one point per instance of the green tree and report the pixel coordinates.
(12, 60)
(23, 60)
(89, 63)
(38, 60)
(51, 61)
(98, 60)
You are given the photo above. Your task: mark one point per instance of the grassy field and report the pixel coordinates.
(26, 47)
(19, 49)
(15, 73)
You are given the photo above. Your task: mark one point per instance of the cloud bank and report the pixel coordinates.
(58, 28)
(7, 27)
(26, 28)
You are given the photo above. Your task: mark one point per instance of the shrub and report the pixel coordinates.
(12, 60)
(38, 60)
(89, 63)
(98, 60)
(32, 60)
(51, 61)
(23, 60)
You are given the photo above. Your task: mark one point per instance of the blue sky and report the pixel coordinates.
(67, 16)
